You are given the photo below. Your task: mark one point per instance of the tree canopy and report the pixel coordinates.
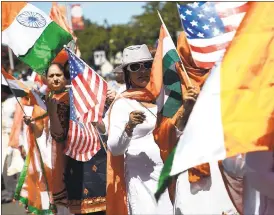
(141, 29)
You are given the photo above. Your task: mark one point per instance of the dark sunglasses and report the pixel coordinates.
(135, 67)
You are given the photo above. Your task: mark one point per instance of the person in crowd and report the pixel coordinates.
(119, 84)
(8, 103)
(134, 160)
(73, 184)
(55, 123)
(116, 86)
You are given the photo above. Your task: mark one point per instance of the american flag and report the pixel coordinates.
(210, 27)
(87, 100)
(89, 90)
(83, 142)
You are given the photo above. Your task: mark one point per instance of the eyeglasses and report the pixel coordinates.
(135, 67)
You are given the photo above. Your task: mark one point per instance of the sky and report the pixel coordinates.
(113, 12)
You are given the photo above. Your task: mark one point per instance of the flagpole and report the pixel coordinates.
(182, 65)
(69, 15)
(101, 140)
(11, 58)
(15, 96)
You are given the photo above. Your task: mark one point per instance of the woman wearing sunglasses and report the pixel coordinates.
(134, 160)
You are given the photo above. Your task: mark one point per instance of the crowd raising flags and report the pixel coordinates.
(234, 112)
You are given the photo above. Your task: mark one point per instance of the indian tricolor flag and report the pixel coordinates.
(21, 90)
(31, 34)
(165, 83)
(234, 112)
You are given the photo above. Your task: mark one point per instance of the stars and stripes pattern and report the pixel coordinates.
(89, 90)
(210, 27)
(82, 140)
(87, 100)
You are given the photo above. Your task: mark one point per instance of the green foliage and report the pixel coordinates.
(141, 29)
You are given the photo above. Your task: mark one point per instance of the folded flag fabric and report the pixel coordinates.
(89, 90)
(58, 14)
(210, 27)
(87, 100)
(17, 90)
(170, 97)
(234, 112)
(21, 90)
(31, 34)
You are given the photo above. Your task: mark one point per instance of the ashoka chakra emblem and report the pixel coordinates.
(31, 19)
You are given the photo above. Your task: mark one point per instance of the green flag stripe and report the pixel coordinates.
(21, 181)
(172, 104)
(170, 58)
(22, 178)
(45, 49)
(165, 175)
(172, 82)
(36, 211)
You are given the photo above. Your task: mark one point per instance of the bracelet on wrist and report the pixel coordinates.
(128, 129)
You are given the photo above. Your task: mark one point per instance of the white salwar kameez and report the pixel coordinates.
(143, 163)
(17, 162)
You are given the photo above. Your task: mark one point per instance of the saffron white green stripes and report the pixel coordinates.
(169, 99)
(35, 38)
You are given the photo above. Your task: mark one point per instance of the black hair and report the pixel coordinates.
(127, 78)
(66, 71)
(62, 68)
(66, 67)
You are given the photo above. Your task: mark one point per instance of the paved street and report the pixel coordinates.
(13, 209)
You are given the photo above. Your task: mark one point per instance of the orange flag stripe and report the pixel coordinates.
(156, 77)
(249, 83)
(9, 12)
(10, 79)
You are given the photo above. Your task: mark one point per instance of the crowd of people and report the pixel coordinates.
(122, 179)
